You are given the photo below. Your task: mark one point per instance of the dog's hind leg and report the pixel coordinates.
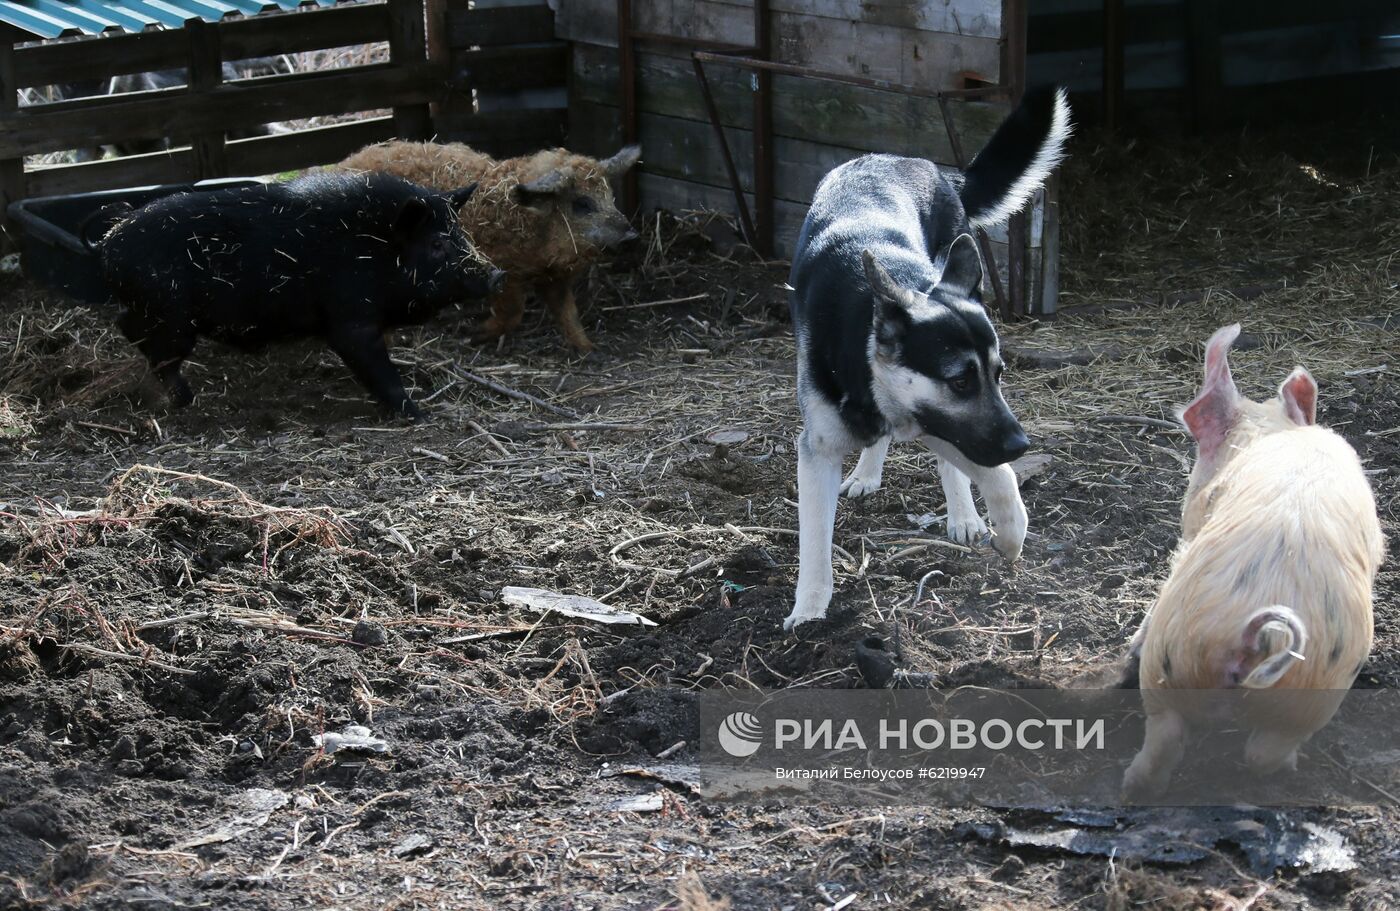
(965, 526)
(864, 479)
(818, 485)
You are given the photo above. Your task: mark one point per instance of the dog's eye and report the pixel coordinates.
(963, 381)
(1000, 371)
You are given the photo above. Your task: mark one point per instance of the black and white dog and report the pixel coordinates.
(893, 341)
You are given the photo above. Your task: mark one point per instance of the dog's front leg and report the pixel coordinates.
(818, 484)
(965, 526)
(864, 479)
(1001, 492)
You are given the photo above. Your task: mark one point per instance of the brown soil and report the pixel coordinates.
(289, 562)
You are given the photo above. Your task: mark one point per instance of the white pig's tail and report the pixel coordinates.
(1258, 632)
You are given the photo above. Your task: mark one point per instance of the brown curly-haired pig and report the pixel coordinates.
(543, 218)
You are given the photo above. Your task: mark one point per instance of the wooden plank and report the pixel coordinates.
(11, 166)
(534, 128)
(681, 196)
(259, 36)
(595, 21)
(841, 115)
(1049, 290)
(206, 72)
(1203, 60)
(408, 46)
(306, 148)
(1051, 32)
(258, 155)
(231, 106)
(526, 66)
(685, 150)
(439, 47)
(499, 25)
(165, 166)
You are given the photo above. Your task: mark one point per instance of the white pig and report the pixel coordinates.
(1271, 584)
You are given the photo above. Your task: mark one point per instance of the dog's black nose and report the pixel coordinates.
(1016, 445)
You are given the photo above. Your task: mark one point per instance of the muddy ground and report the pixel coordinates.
(189, 599)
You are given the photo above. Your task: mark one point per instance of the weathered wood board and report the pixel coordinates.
(842, 115)
(817, 124)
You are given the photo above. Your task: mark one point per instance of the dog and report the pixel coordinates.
(893, 341)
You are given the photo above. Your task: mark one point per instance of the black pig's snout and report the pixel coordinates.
(496, 279)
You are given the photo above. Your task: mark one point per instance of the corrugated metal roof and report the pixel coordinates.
(61, 18)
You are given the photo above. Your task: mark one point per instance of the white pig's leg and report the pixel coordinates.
(1162, 749)
(1270, 750)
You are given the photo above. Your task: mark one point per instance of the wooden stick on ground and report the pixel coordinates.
(512, 393)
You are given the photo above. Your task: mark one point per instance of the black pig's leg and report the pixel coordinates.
(364, 352)
(165, 345)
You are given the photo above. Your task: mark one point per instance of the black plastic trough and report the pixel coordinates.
(52, 248)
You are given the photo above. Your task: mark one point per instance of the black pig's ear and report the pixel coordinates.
(413, 215)
(459, 197)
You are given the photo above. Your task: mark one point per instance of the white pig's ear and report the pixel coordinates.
(1299, 395)
(1214, 411)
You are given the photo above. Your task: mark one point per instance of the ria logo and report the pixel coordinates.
(740, 734)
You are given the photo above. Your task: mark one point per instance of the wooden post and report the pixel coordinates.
(629, 194)
(206, 73)
(439, 45)
(11, 169)
(1203, 61)
(408, 47)
(1015, 15)
(763, 132)
(1050, 249)
(1112, 63)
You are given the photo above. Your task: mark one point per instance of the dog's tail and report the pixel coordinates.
(1021, 154)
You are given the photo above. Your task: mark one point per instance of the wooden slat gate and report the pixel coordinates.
(209, 107)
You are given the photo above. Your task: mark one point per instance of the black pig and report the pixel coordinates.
(336, 256)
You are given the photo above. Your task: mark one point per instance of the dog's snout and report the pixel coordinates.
(1016, 445)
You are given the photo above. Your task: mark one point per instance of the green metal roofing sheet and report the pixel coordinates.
(61, 18)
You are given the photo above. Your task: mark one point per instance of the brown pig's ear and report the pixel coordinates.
(1299, 395)
(1214, 411)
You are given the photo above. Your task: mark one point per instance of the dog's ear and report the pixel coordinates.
(1216, 409)
(962, 273)
(891, 304)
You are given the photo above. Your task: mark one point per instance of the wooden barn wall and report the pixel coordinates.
(1202, 63)
(508, 75)
(817, 125)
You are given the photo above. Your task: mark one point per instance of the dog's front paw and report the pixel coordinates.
(1009, 536)
(965, 529)
(858, 485)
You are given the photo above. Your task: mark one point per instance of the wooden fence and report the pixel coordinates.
(816, 124)
(475, 51)
(508, 74)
